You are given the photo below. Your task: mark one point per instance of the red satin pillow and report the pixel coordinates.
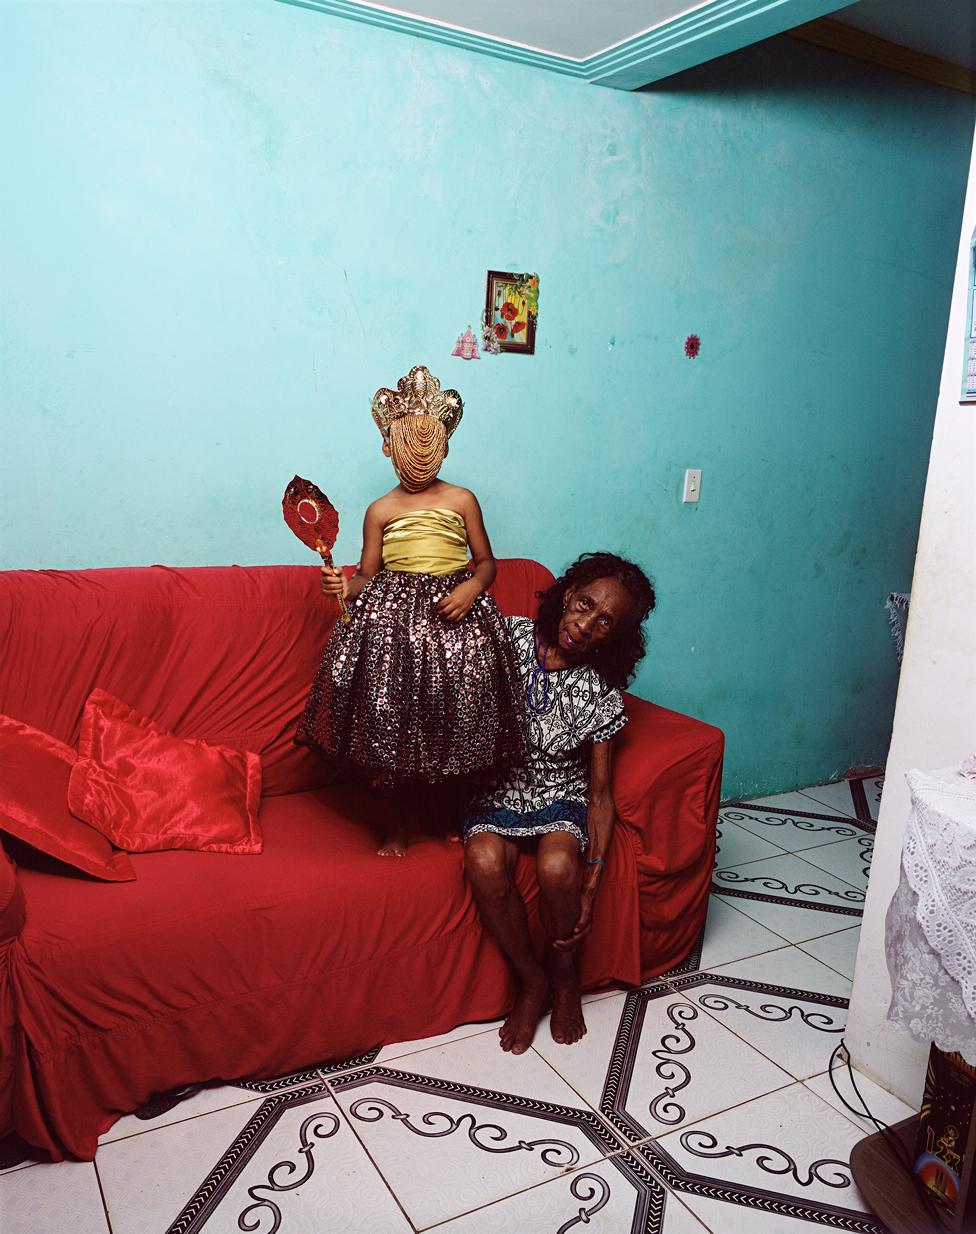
(34, 772)
(146, 790)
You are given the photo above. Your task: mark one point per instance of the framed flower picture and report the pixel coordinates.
(511, 310)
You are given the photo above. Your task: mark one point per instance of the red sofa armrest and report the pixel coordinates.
(667, 777)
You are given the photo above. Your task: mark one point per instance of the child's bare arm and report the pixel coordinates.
(335, 583)
(481, 555)
(483, 570)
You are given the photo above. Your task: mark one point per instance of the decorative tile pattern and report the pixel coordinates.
(307, 1075)
(652, 1060)
(673, 1067)
(790, 896)
(692, 961)
(493, 1122)
(614, 1196)
(297, 1164)
(795, 1026)
(289, 1161)
(734, 845)
(848, 859)
(147, 1179)
(420, 1130)
(783, 803)
(786, 1153)
(788, 879)
(205, 1100)
(789, 967)
(794, 830)
(860, 799)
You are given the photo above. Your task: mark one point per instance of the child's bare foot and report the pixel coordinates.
(395, 845)
(518, 1031)
(566, 1022)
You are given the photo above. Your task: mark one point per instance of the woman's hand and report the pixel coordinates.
(585, 918)
(600, 820)
(458, 603)
(334, 582)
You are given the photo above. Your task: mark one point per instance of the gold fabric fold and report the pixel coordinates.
(426, 542)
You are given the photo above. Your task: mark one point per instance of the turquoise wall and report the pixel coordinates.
(227, 223)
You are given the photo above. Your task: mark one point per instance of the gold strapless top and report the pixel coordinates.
(431, 541)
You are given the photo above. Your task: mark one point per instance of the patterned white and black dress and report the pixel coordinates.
(567, 711)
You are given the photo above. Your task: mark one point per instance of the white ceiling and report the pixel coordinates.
(581, 28)
(574, 28)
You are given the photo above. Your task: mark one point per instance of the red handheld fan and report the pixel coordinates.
(315, 520)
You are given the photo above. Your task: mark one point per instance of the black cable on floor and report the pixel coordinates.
(890, 1138)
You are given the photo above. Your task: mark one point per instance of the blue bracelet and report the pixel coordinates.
(596, 861)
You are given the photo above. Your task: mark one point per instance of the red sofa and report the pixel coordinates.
(211, 966)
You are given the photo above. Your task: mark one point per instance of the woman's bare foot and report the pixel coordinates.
(566, 1022)
(517, 1032)
(395, 845)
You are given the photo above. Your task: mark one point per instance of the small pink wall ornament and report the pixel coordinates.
(466, 347)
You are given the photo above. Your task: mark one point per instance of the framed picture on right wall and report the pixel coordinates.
(969, 347)
(511, 310)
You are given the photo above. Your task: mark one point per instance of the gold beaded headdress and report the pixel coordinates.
(416, 421)
(417, 394)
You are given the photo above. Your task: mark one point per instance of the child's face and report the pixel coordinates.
(391, 453)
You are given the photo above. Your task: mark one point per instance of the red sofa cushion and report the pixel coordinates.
(34, 773)
(147, 790)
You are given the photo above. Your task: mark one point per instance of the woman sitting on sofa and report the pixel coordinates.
(573, 660)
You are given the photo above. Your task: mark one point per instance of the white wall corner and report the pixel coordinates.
(935, 712)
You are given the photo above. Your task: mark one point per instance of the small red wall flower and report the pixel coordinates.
(509, 311)
(501, 330)
(692, 346)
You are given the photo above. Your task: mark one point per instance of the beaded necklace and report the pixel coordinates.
(539, 672)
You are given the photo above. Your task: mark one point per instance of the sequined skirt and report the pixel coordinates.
(407, 695)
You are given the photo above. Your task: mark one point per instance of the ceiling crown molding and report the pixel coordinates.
(706, 31)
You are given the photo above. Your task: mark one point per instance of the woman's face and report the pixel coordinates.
(593, 612)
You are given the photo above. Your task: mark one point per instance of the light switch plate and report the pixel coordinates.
(692, 489)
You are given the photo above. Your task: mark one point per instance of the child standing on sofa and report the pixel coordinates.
(421, 685)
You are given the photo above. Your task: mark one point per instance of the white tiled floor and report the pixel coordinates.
(686, 1100)
(806, 1147)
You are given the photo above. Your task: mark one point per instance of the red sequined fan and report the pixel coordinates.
(314, 519)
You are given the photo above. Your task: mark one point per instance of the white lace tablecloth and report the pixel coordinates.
(930, 939)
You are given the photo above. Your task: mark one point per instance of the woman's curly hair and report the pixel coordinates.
(617, 657)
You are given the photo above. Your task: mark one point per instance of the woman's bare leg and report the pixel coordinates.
(557, 865)
(490, 863)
